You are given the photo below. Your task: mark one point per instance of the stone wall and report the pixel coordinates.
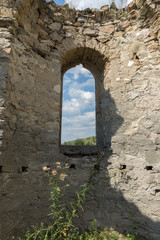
(38, 43)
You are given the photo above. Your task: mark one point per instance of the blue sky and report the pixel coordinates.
(60, 2)
(78, 108)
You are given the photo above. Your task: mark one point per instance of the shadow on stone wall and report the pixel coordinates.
(112, 121)
(106, 201)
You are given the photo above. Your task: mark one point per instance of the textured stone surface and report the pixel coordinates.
(107, 29)
(39, 41)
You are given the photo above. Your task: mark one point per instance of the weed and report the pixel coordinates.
(62, 215)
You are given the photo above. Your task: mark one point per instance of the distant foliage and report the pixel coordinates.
(90, 141)
(79, 142)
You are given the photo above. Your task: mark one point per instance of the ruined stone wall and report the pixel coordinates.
(38, 43)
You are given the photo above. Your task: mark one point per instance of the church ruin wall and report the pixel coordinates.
(39, 41)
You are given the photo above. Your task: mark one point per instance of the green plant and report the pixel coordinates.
(89, 141)
(62, 215)
(131, 237)
(79, 142)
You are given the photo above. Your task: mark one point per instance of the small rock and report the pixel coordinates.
(90, 32)
(56, 36)
(57, 88)
(107, 29)
(82, 20)
(55, 26)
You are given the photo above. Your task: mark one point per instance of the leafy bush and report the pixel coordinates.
(79, 142)
(89, 141)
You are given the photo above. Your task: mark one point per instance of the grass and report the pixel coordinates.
(108, 235)
(89, 141)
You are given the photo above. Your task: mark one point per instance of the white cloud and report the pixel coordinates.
(90, 82)
(80, 94)
(82, 4)
(81, 119)
(79, 101)
(71, 78)
(71, 107)
(78, 127)
(66, 80)
(78, 120)
(78, 70)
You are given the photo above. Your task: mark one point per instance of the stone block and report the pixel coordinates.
(2, 100)
(3, 70)
(82, 20)
(47, 42)
(57, 88)
(41, 32)
(4, 53)
(4, 43)
(90, 32)
(152, 157)
(139, 48)
(5, 34)
(108, 29)
(2, 83)
(55, 26)
(56, 36)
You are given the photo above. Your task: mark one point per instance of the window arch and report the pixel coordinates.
(94, 62)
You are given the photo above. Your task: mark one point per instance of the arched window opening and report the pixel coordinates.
(78, 127)
(93, 61)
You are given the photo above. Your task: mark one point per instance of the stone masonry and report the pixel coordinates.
(39, 42)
